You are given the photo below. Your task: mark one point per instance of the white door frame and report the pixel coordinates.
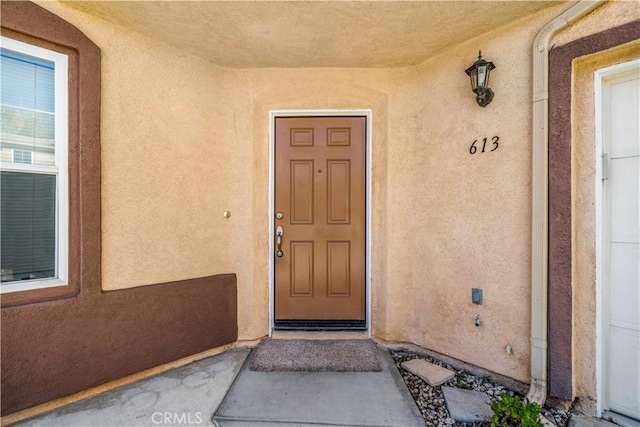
(368, 114)
(600, 76)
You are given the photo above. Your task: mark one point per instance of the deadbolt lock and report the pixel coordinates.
(279, 215)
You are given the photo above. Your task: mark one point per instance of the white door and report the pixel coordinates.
(621, 238)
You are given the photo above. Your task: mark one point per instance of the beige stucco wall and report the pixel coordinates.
(169, 149)
(441, 216)
(611, 14)
(184, 140)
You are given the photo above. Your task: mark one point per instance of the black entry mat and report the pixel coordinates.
(276, 355)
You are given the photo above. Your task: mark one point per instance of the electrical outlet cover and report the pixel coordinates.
(476, 296)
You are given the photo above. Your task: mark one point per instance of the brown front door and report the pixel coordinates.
(320, 191)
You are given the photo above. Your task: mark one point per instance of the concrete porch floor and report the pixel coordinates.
(188, 395)
(223, 384)
(221, 390)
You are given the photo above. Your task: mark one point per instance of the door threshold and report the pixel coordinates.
(620, 419)
(320, 335)
(320, 325)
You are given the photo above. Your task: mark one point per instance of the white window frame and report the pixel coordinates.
(60, 169)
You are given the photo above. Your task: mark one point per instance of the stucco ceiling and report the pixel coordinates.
(312, 33)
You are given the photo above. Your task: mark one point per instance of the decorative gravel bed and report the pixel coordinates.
(430, 400)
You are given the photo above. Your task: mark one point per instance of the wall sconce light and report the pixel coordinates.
(479, 74)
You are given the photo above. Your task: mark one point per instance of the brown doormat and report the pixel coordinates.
(275, 355)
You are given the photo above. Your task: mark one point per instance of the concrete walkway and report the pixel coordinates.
(320, 398)
(185, 396)
(195, 395)
(579, 420)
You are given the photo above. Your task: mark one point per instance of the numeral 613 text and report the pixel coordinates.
(483, 146)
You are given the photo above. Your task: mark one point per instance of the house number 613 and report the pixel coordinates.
(493, 145)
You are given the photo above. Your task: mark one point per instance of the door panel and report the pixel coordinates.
(624, 127)
(621, 112)
(302, 194)
(301, 280)
(338, 269)
(624, 185)
(320, 188)
(338, 194)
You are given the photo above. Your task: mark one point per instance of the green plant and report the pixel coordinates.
(510, 411)
(462, 384)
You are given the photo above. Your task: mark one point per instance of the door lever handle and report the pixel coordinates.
(279, 233)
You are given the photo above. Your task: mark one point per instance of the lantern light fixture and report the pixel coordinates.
(479, 75)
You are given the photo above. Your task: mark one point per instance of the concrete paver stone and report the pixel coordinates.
(467, 405)
(430, 372)
(579, 420)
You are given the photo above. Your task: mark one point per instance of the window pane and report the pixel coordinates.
(27, 81)
(27, 95)
(27, 225)
(45, 89)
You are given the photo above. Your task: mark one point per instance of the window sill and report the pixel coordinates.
(39, 290)
(29, 285)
